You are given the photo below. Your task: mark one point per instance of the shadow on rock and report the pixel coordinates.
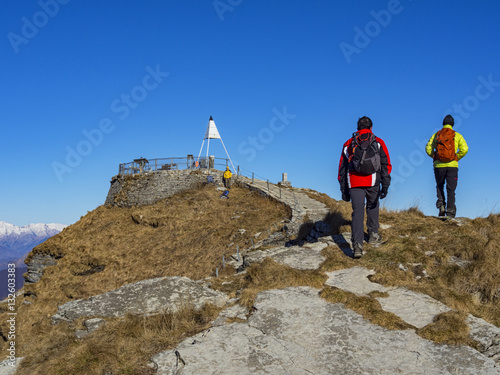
(310, 232)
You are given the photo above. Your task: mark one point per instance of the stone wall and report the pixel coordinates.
(148, 188)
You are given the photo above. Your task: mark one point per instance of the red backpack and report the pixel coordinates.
(445, 145)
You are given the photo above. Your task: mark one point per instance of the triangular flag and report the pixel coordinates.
(212, 132)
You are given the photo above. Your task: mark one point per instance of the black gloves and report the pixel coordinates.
(383, 192)
(346, 196)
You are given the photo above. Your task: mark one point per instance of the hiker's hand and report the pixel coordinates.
(346, 196)
(383, 192)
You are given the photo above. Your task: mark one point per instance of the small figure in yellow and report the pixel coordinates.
(227, 178)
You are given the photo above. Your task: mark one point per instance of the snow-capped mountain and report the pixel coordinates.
(15, 242)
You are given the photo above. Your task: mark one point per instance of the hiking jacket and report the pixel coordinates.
(228, 174)
(350, 179)
(461, 149)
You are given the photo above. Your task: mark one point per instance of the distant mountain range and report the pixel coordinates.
(16, 242)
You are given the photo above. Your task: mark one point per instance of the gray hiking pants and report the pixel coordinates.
(358, 197)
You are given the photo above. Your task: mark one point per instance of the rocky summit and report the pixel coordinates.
(291, 329)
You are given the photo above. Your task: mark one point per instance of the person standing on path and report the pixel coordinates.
(446, 147)
(227, 178)
(364, 175)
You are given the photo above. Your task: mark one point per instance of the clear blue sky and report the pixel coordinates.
(141, 78)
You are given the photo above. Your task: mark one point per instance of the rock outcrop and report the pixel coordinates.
(36, 265)
(142, 298)
(294, 331)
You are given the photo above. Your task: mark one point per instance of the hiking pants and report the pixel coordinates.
(448, 175)
(358, 197)
(227, 182)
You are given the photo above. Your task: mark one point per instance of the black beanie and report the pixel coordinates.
(449, 120)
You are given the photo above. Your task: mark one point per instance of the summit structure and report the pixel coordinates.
(213, 133)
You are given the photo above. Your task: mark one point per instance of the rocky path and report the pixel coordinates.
(300, 202)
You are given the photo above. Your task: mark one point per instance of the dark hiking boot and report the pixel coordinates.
(358, 250)
(442, 211)
(374, 238)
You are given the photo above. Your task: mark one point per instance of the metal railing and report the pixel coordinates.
(143, 165)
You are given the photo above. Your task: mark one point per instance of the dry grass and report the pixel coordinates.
(449, 328)
(121, 346)
(272, 275)
(185, 235)
(367, 306)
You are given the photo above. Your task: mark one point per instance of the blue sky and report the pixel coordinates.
(285, 82)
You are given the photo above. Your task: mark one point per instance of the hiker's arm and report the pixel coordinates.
(386, 167)
(430, 146)
(342, 176)
(462, 147)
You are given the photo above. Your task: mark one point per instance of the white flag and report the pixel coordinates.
(212, 132)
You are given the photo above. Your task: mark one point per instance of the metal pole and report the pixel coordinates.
(238, 252)
(223, 262)
(268, 187)
(217, 272)
(238, 175)
(252, 178)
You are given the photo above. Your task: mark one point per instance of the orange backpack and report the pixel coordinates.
(445, 145)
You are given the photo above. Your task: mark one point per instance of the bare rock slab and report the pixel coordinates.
(294, 331)
(414, 308)
(143, 298)
(307, 257)
(354, 280)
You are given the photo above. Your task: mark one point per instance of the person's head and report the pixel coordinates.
(448, 120)
(364, 123)
(227, 168)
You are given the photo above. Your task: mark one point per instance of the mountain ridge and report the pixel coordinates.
(17, 241)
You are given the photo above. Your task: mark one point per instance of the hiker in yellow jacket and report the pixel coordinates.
(227, 178)
(446, 147)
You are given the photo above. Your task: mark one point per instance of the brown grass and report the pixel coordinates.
(185, 235)
(121, 346)
(367, 306)
(272, 275)
(449, 328)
